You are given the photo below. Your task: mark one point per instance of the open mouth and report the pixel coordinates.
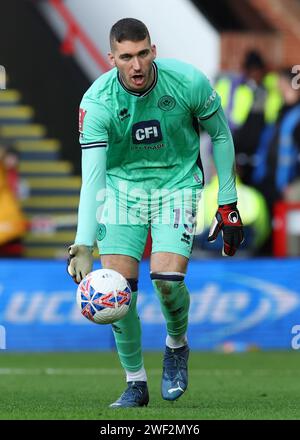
(138, 79)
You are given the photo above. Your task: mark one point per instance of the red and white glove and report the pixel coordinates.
(229, 222)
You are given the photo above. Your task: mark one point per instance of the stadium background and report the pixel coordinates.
(51, 51)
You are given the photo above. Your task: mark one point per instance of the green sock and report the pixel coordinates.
(175, 301)
(127, 333)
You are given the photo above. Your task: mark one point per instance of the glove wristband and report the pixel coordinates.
(229, 205)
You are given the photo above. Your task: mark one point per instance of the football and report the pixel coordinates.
(104, 296)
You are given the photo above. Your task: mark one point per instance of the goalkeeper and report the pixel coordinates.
(141, 169)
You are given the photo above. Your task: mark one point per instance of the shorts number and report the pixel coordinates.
(189, 216)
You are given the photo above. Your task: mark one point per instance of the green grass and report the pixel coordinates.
(258, 385)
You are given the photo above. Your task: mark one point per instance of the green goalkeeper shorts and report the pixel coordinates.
(126, 220)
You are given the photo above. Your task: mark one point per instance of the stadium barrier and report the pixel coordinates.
(235, 305)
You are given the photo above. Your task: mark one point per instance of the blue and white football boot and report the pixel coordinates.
(175, 372)
(135, 395)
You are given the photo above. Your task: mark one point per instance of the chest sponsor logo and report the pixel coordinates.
(146, 132)
(166, 103)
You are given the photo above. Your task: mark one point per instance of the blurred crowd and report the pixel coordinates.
(263, 110)
(13, 223)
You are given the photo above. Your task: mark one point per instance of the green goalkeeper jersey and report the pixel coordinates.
(151, 138)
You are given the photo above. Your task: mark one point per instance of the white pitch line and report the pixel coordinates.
(154, 371)
(59, 371)
(102, 371)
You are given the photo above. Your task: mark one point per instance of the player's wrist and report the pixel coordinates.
(231, 205)
(84, 247)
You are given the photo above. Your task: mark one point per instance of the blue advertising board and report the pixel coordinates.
(234, 303)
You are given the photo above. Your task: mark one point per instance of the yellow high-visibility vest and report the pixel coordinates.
(243, 99)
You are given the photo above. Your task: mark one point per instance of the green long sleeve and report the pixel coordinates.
(223, 154)
(92, 188)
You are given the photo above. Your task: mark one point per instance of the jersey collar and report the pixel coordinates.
(145, 92)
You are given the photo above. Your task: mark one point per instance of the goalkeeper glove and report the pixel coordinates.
(227, 220)
(80, 261)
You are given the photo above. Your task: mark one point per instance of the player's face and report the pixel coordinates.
(134, 60)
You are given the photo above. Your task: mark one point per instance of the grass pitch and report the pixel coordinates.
(260, 385)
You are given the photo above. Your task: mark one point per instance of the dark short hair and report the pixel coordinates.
(129, 29)
(253, 60)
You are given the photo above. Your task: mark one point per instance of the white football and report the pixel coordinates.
(104, 296)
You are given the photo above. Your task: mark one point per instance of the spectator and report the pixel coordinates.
(12, 221)
(278, 151)
(251, 99)
(11, 163)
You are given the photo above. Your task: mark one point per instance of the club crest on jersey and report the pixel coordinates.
(101, 231)
(146, 132)
(233, 217)
(166, 103)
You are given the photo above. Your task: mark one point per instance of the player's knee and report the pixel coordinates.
(166, 284)
(125, 265)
